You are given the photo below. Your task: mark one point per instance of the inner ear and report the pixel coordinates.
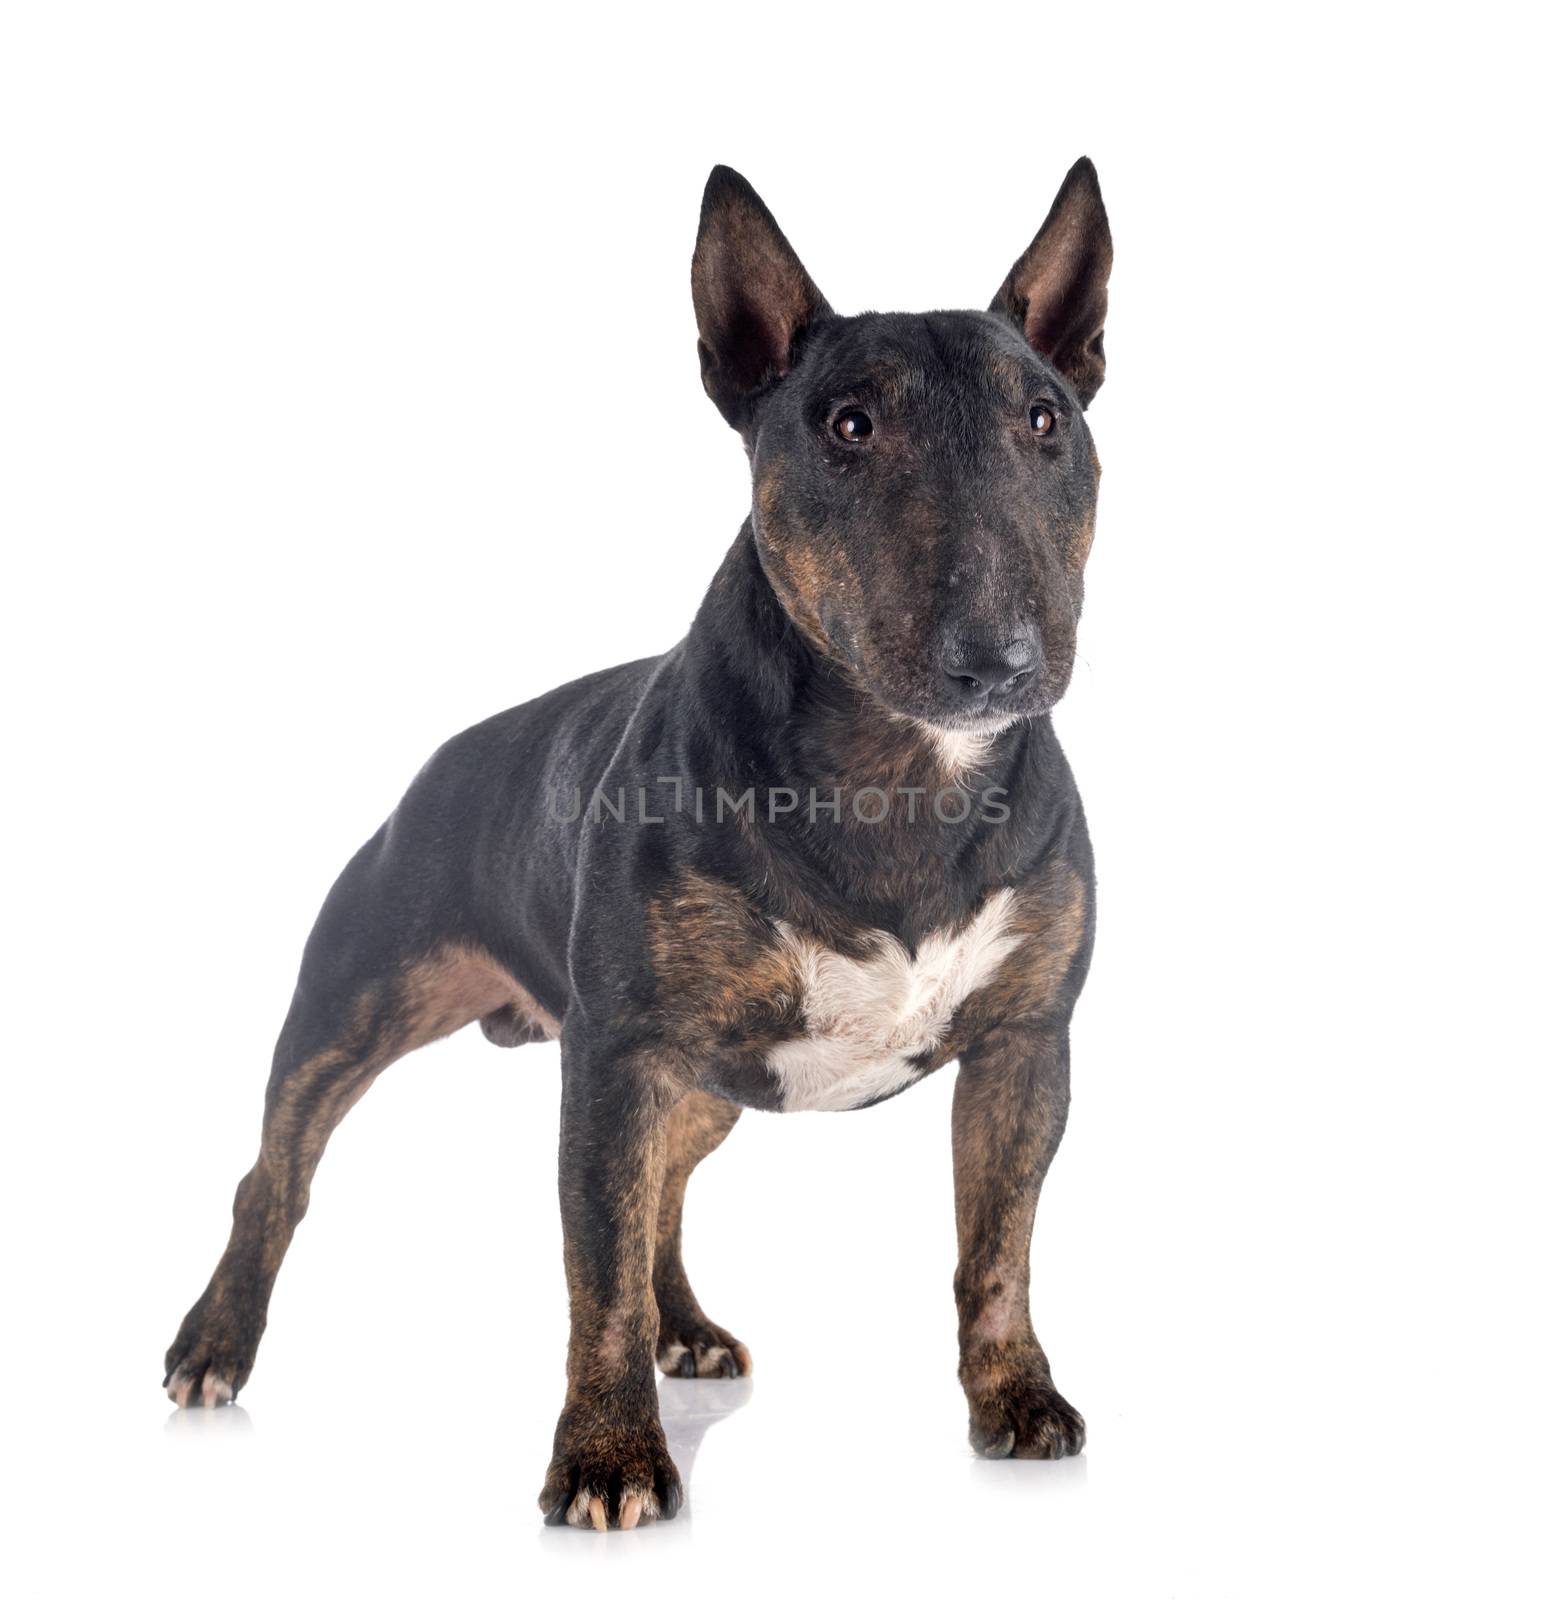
(1056, 293)
(753, 298)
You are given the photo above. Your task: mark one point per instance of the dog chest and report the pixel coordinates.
(865, 1018)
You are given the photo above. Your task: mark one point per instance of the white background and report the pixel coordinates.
(350, 395)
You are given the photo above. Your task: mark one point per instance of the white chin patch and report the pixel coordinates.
(961, 749)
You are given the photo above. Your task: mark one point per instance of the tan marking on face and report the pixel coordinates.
(1009, 373)
(1079, 546)
(801, 581)
(767, 496)
(800, 572)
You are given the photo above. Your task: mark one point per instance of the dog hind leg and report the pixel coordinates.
(342, 1031)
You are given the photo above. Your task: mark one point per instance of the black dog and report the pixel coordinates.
(825, 845)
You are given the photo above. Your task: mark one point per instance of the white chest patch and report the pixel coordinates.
(867, 1016)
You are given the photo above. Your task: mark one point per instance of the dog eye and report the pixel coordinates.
(1042, 419)
(853, 426)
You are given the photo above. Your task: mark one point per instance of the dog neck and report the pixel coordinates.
(764, 709)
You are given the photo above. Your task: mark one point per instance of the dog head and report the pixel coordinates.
(924, 486)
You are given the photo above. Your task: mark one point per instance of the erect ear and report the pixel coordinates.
(1056, 291)
(753, 300)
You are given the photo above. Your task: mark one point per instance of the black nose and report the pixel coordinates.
(982, 665)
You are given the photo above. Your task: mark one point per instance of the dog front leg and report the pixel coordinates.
(689, 1343)
(1010, 1106)
(611, 1464)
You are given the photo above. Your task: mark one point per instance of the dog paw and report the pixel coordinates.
(202, 1380)
(610, 1477)
(209, 1360)
(1026, 1418)
(701, 1350)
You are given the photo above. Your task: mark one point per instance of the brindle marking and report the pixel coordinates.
(610, 1462)
(689, 1343)
(1051, 921)
(736, 974)
(306, 1100)
(725, 976)
(1010, 1106)
(898, 613)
